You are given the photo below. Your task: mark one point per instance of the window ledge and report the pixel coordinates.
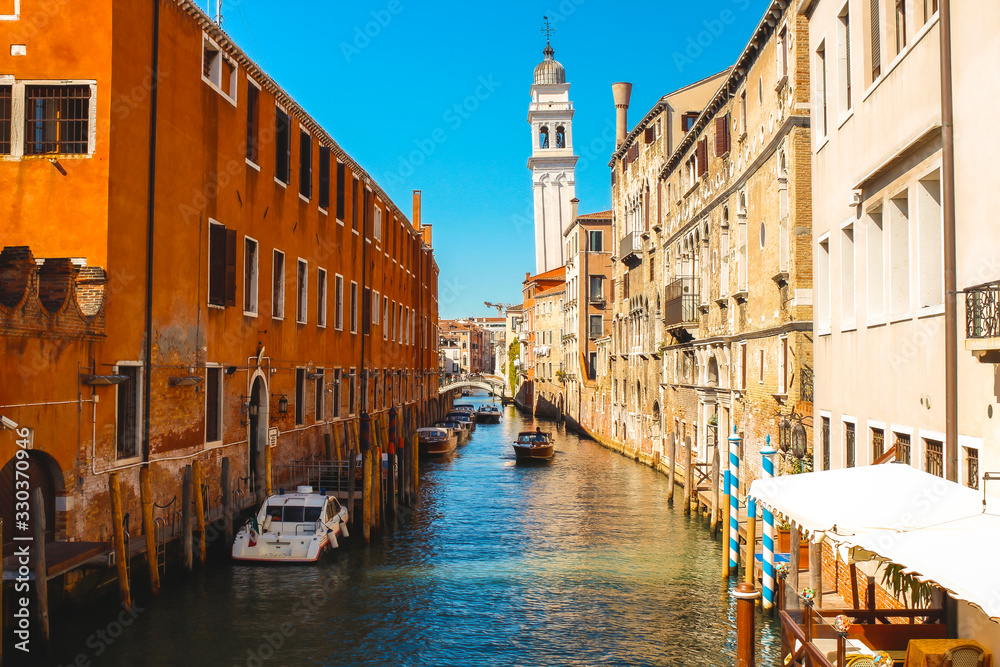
(930, 311)
(742, 296)
(323, 211)
(823, 332)
(877, 322)
(848, 116)
(723, 301)
(780, 278)
(824, 141)
(848, 327)
(249, 313)
(253, 165)
(781, 83)
(340, 222)
(278, 318)
(356, 232)
(217, 307)
(303, 198)
(900, 317)
(280, 182)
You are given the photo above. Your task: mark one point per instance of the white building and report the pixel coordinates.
(552, 162)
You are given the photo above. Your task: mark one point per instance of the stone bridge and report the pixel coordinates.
(493, 384)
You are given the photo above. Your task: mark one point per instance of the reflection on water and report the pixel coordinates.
(580, 561)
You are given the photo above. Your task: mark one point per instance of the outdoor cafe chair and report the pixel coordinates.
(964, 656)
(860, 661)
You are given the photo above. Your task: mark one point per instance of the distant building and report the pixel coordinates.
(541, 355)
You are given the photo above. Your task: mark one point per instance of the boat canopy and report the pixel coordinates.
(433, 431)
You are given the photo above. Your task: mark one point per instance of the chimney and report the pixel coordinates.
(416, 210)
(575, 207)
(622, 93)
(426, 229)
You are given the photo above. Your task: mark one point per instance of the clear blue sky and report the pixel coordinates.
(434, 96)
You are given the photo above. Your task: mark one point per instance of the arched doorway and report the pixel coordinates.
(42, 473)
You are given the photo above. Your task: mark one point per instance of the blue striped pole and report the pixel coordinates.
(734, 500)
(768, 565)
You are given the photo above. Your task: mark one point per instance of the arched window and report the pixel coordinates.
(560, 137)
(543, 137)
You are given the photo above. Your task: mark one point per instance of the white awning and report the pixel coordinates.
(932, 527)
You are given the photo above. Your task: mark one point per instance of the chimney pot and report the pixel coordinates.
(622, 93)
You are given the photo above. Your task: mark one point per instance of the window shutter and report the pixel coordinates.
(650, 135)
(217, 265)
(722, 135)
(230, 267)
(876, 21)
(633, 152)
(703, 157)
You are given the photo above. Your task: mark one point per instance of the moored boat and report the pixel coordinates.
(292, 528)
(436, 441)
(534, 446)
(461, 431)
(488, 414)
(465, 418)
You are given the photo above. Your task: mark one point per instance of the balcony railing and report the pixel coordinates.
(982, 316)
(629, 248)
(681, 302)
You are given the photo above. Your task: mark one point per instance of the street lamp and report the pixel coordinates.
(799, 441)
(785, 436)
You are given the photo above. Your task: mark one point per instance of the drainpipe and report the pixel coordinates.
(948, 214)
(364, 320)
(150, 216)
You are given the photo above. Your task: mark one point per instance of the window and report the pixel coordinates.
(560, 137)
(900, 25)
(596, 326)
(876, 265)
(129, 400)
(338, 312)
(822, 101)
(903, 447)
(743, 365)
(823, 295)
(783, 365)
(899, 253)
(743, 111)
(760, 367)
(375, 310)
(844, 48)
(930, 240)
(218, 70)
(849, 443)
(934, 457)
(592, 365)
(300, 396)
(57, 120)
(878, 444)
(875, 39)
(930, 7)
(341, 189)
(596, 239)
(971, 461)
(213, 404)
(320, 395)
(321, 298)
(324, 177)
(352, 393)
(356, 204)
(782, 54)
(302, 292)
(305, 164)
(253, 121)
(282, 147)
(596, 288)
(825, 435)
(760, 90)
(249, 276)
(337, 379)
(543, 137)
(6, 114)
(378, 223)
(278, 286)
(221, 265)
(722, 135)
(354, 309)
(847, 287)
(687, 120)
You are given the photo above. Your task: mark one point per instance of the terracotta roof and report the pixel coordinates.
(551, 274)
(603, 215)
(549, 290)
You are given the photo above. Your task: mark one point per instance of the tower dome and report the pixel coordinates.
(550, 70)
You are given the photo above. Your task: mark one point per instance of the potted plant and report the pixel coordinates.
(784, 530)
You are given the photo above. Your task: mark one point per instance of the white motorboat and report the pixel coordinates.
(292, 528)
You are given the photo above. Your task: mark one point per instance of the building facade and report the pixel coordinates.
(206, 294)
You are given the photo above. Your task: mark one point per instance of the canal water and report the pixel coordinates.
(580, 561)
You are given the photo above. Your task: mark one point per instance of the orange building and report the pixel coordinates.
(218, 273)
(531, 337)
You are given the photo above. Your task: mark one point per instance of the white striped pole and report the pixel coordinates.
(768, 565)
(734, 500)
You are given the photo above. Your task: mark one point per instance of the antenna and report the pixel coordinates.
(548, 29)
(218, 12)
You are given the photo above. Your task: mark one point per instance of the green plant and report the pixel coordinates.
(906, 587)
(713, 420)
(561, 375)
(513, 352)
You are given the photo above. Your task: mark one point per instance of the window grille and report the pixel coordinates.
(826, 443)
(849, 436)
(5, 116)
(57, 119)
(972, 465)
(935, 457)
(903, 448)
(878, 443)
(128, 413)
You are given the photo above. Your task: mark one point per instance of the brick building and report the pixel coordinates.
(537, 330)
(229, 279)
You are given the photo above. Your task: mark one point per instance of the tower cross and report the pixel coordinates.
(548, 29)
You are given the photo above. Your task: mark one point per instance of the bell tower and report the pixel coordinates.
(552, 162)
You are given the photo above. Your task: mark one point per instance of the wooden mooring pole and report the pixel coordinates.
(367, 452)
(199, 509)
(41, 568)
(121, 557)
(267, 468)
(714, 494)
(187, 557)
(689, 493)
(750, 560)
(148, 529)
(746, 616)
(227, 500)
(673, 467)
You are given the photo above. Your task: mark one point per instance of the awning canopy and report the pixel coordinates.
(934, 528)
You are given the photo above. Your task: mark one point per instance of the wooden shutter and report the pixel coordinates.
(876, 22)
(722, 135)
(703, 157)
(217, 265)
(230, 267)
(633, 152)
(650, 135)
